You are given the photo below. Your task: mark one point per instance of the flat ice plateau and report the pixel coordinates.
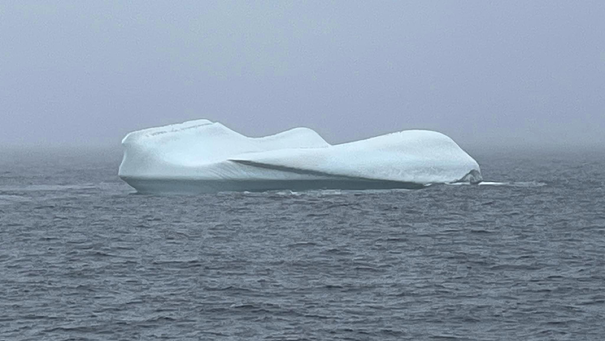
(206, 157)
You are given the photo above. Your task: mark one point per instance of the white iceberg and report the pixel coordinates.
(206, 157)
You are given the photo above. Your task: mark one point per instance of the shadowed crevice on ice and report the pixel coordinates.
(206, 157)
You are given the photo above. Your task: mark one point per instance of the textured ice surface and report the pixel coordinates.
(204, 157)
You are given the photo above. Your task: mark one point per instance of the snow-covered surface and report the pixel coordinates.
(202, 156)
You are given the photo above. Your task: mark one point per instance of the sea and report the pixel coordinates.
(518, 257)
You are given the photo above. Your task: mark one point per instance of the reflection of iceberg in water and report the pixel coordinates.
(205, 157)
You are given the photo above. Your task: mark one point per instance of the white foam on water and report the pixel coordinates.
(514, 184)
(46, 188)
(6, 199)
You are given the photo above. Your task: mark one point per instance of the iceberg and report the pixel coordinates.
(206, 157)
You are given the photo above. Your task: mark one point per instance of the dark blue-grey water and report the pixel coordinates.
(83, 258)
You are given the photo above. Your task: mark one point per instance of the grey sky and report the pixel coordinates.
(483, 72)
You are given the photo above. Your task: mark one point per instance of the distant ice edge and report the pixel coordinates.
(206, 157)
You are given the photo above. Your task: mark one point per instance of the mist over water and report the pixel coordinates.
(499, 73)
(520, 257)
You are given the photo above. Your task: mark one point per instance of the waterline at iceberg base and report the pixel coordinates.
(206, 157)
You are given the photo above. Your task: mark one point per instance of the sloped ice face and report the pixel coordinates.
(205, 157)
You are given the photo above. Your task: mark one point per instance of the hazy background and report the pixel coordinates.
(511, 73)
